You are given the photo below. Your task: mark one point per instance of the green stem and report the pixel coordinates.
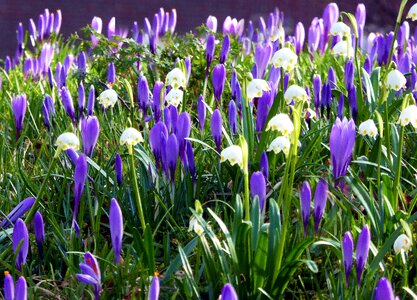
(136, 188)
(42, 190)
(246, 203)
(397, 26)
(397, 186)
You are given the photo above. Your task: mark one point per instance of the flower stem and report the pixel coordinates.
(136, 188)
(397, 186)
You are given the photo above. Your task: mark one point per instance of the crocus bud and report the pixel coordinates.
(17, 212)
(360, 19)
(67, 102)
(219, 78)
(320, 199)
(159, 131)
(111, 74)
(156, 101)
(232, 113)
(182, 132)
(349, 74)
(258, 187)
(91, 274)
(362, 251)
(347, 248)
(190, 160)
(340, 106)
(299, 37)
(353, 102)
(330, 16)
(264, 104)
(264, 165)
(225, 49)
(143, 93)
(262, 57)
(97, 25)
(211, 23)
(305, 199)
(118, 166)
(90, 129)
(216, 128)
(81, 99)
(39, 228)
(154, 289)
(210, 47)
(116, 228)
(187, 62)
(80, 175)
(19, 104)
(20, 232)
(228, 292)
(8, 287)
(172, 151)
(201, 110)
(383, 290)
(21, 289)
(91, 99)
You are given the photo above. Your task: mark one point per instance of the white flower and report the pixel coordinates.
(278, 34)
(295, 93)
(256, 87)
(412, 13)
(174, 97)
(341, 29)
(131, 137)
(281, 123)
(281, 143)
(396, 80)
(198, 229)
(368, 128)
(233, 154)
(107, 98)
(402, 245)
(285, 58)
(409, 115)
(176, 78)
(343, 48)
(67, 141)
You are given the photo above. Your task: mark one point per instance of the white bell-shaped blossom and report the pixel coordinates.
(402, 245)
(233, 154)
(131, 136)
(396, 80)
(176, 78)
(67, 140)
(409, 115)
(340, 29)
(344, 49)
(295, 93)
(368, 128)
(174, 97)
(281, 123)
(412, 13)
(285, 58)
(280, 144)
(107, 98)
(256, 87)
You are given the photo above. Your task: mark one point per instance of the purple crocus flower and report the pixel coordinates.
(320, 199)
(81, 99)
(360, 19)
(218, 78)
(111, 74)
(264, 104)
(347, 248)
(7, 64)
(349, 74)
(90, 129)
(19, 104)
(21, 289)
(17, 212)
(216, 128)
(80, 175)
(158, 133)
(68, 104)
(82, 61)
(201, 111)
(182, 132)
(342, 141)
(228, 292)
(173, 117)
(362, 251)
(264, 165)
(156, 100)
(116, 228)
(97, 25)
(383, 290)
(73, 155)
(8, 287)
(353, 103)
(258, 187)
(225, 49)
(317, 91)
(39, 228)
(305, 200)
(187, 62)
(118, 166)
(341, 106)
(210, 47)
(154, 289)
(299, 37)
(143, 93)
(262, 57)
(330, 16)
(232, 113)
(172, 155)
(367, 65)
(190, 160)
(20, 232)
(91, 273)
(91, 99)
(211, 23)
